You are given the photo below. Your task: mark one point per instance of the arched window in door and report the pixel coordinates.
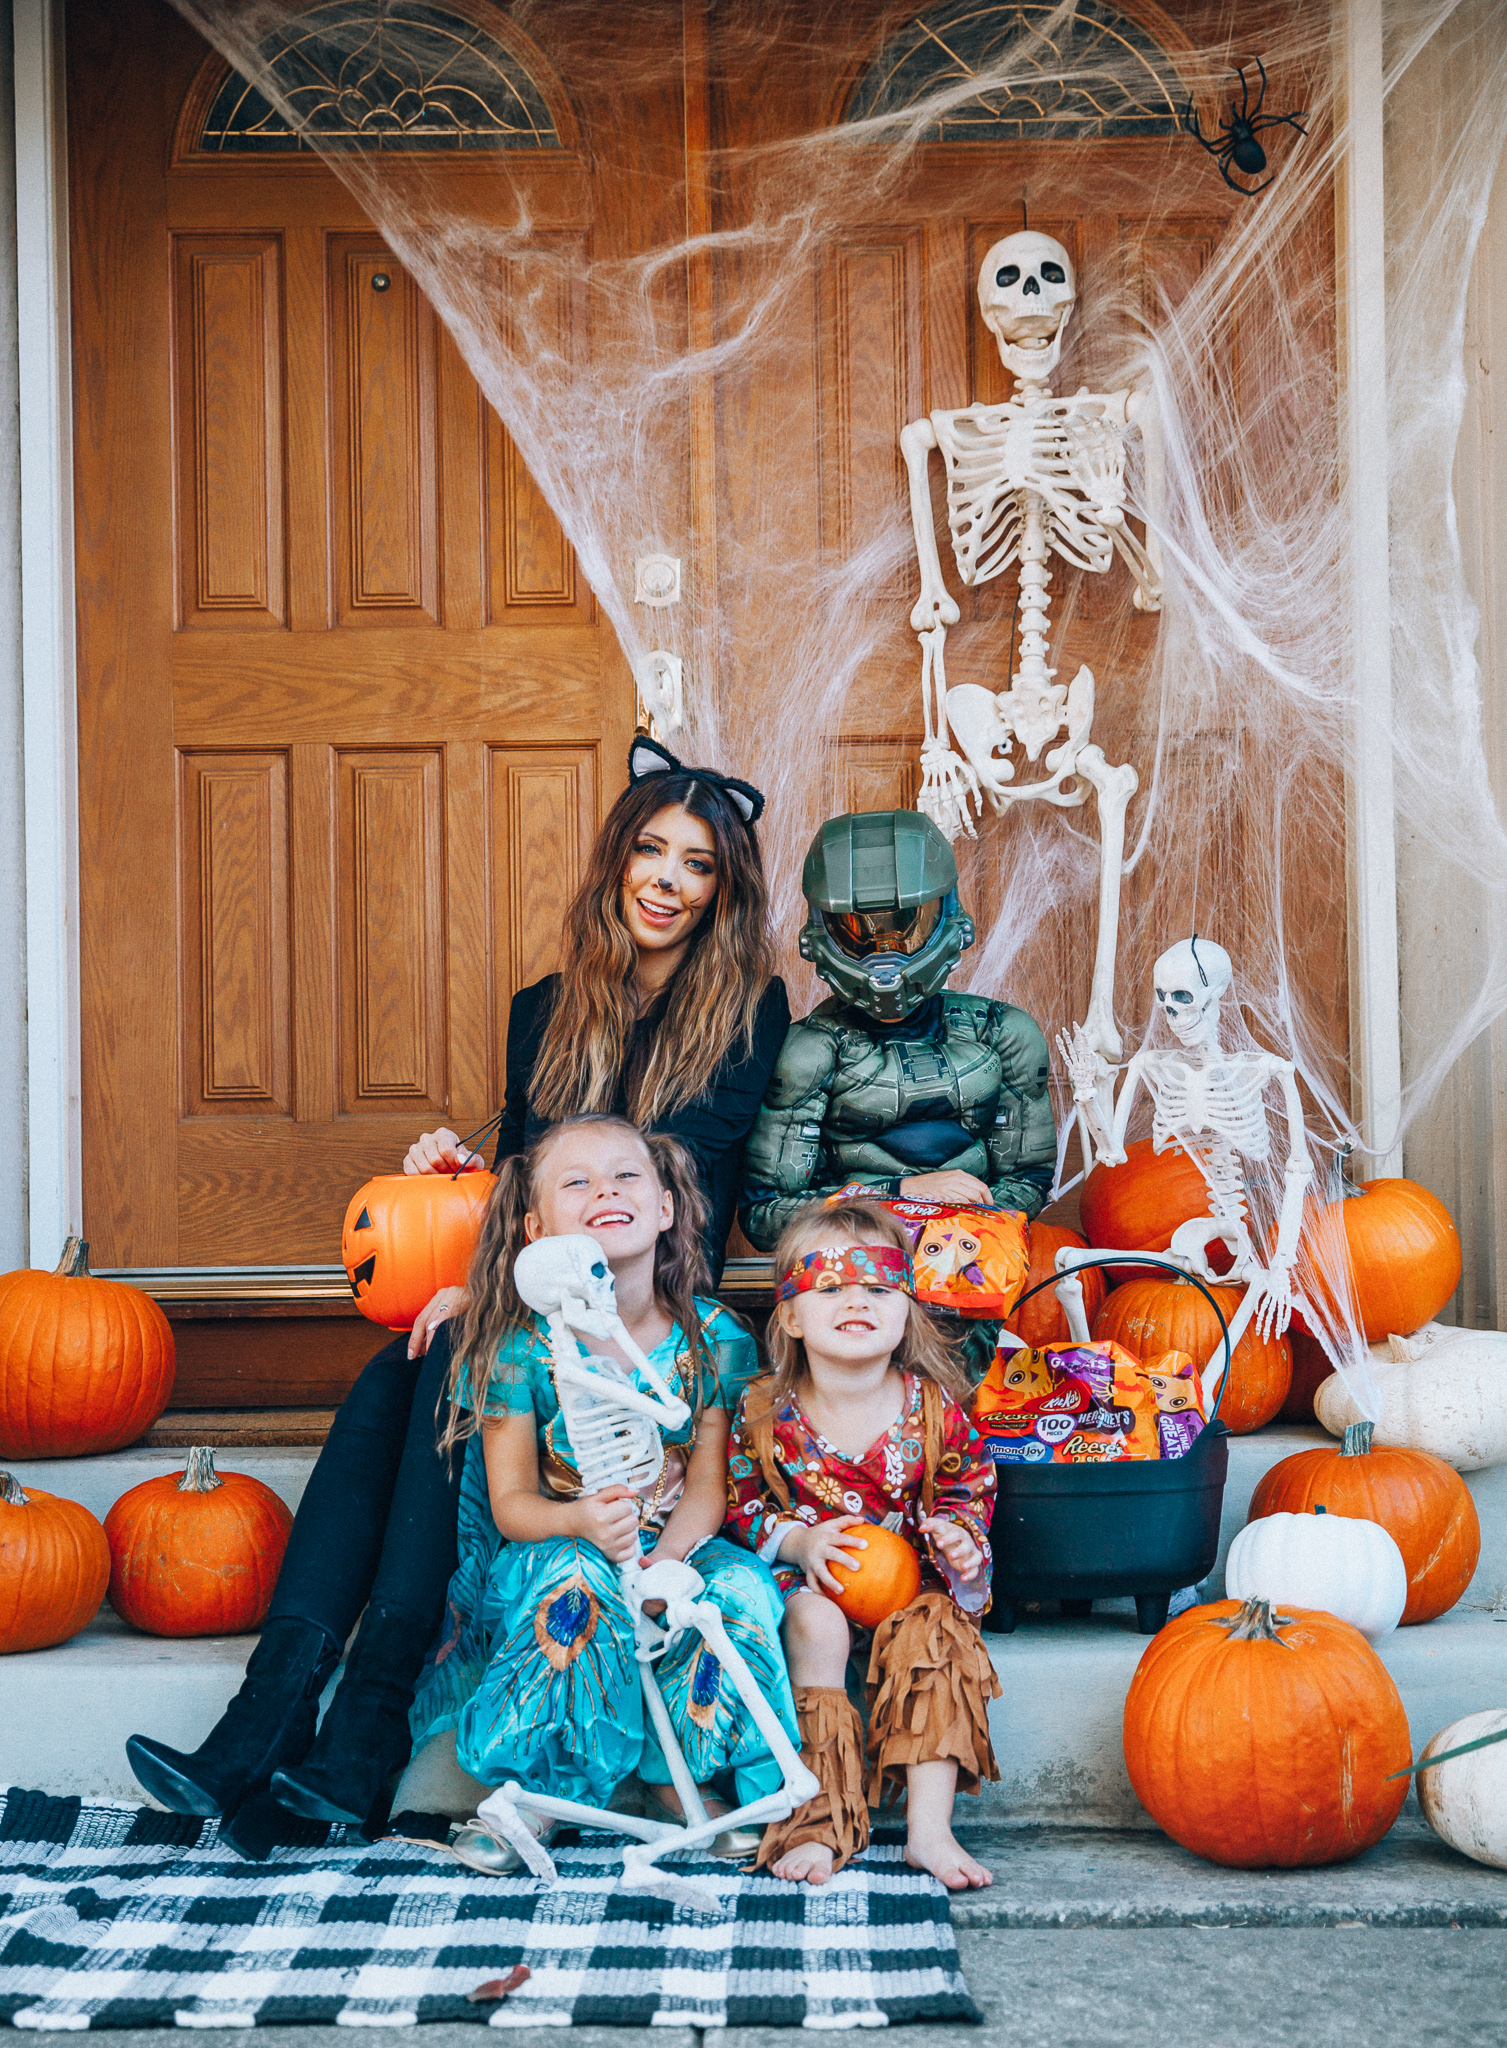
(393, 75)
(1088, 71)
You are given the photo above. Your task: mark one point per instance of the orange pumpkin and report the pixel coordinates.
(406, 1236)
(197, 1555)
(884, 1578)
(54, 1567)
(1041, 1321)
(1137, 1206)
(1405, 1259)
(1149, 1317)
(1265, 1740)
(86, 1365)
(1422, 1503)
(1311, 1366)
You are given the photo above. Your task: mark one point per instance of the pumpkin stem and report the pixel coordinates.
(1357, 1439)
(1255, 1623)
(74, 1264)
(10, 1491)
(199, 1474)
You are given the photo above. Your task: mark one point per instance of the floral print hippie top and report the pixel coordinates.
(884, 1484)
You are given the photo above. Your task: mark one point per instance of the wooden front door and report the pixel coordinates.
(348, 712)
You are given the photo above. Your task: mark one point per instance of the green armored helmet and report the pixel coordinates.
(885, 930)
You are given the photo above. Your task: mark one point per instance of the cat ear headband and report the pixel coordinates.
(854, 1265)
(647, 758)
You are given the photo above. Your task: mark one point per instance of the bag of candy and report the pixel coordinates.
(969, 1261)
(1175, 1386)
(1075, 1404)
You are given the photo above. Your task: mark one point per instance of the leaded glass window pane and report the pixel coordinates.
(383, 74)
(1088, 71)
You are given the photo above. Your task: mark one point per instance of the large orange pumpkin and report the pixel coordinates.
(1149, 1317)
(1042, 1321)
(1266, 1740)
(406, 1236)
(86, 1365)
(1422, 1503)
(882, 1579)
(1404, 1256)
(1137, 1206)
(197, 1555)
(54, 1567)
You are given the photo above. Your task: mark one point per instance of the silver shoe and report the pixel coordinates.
(735, 1845)
(480, 1850)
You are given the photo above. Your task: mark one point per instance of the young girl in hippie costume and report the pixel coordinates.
(536, 1671)
(861, 1421)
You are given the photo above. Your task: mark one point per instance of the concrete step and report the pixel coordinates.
(97, 1483)
(66, 1712)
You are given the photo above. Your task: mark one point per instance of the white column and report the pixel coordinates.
(47, 638)
(12, 794)
(1375, 1033)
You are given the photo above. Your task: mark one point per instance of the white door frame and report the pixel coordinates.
(48, 694)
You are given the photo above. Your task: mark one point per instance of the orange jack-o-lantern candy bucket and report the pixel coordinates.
(406, 1236)
(881, 1580)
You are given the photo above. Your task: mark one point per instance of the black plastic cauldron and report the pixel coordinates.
(1080, 1533)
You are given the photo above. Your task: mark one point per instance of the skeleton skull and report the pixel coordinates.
(1026, 292)
(551, 1269)
(1190, 978)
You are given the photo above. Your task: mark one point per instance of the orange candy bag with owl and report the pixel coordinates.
(1094, 1403)
(968, 1261)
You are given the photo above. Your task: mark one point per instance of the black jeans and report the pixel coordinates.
(377, 1519)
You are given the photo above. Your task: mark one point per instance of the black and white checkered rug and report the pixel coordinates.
(119, 1916)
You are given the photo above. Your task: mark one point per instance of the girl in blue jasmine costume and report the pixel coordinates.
(536, 1669)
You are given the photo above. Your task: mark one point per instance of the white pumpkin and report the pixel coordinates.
(1442, 1390)
(1465, 1800)
(1348, 1567)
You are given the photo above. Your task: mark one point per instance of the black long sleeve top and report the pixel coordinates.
(712, 1127)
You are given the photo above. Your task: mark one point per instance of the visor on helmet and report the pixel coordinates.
(862, 933)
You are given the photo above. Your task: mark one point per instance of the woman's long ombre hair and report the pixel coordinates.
(493, 1309)
(716, 991)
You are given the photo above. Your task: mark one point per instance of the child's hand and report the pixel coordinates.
(813, 1548)
(609, 1519)
(955, 1544)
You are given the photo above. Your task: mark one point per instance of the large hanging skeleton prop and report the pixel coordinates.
(614, 1431)
(1035, 476)
(1211, 1103)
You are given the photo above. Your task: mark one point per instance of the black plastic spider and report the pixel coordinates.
(1235, 141)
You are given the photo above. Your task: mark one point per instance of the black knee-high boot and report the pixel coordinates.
(269, 1722)
(364, 1736)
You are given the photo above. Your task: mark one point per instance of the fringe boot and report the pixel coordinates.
(929, 1687)
(832, 1748)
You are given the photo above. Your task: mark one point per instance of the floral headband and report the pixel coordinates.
(647, 758)
(854, 1265)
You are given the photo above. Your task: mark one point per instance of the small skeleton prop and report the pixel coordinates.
(614, 1431)
(1034, 476)
(1210, 1103)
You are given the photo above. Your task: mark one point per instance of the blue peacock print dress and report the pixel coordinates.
(536, 1670)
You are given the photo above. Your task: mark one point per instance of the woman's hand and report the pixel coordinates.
(609, 1519)
(955, 1544)
(951, 1185)
(813, 1547)
(438, 1309)
(441, 1152)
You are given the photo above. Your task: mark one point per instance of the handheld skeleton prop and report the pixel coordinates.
(614, 1430)
(1210, 1103)
(1035, 476)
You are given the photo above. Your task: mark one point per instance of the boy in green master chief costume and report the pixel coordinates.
(896, 1080)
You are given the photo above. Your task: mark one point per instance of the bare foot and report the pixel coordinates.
(809, 1863)
(939, 1852)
